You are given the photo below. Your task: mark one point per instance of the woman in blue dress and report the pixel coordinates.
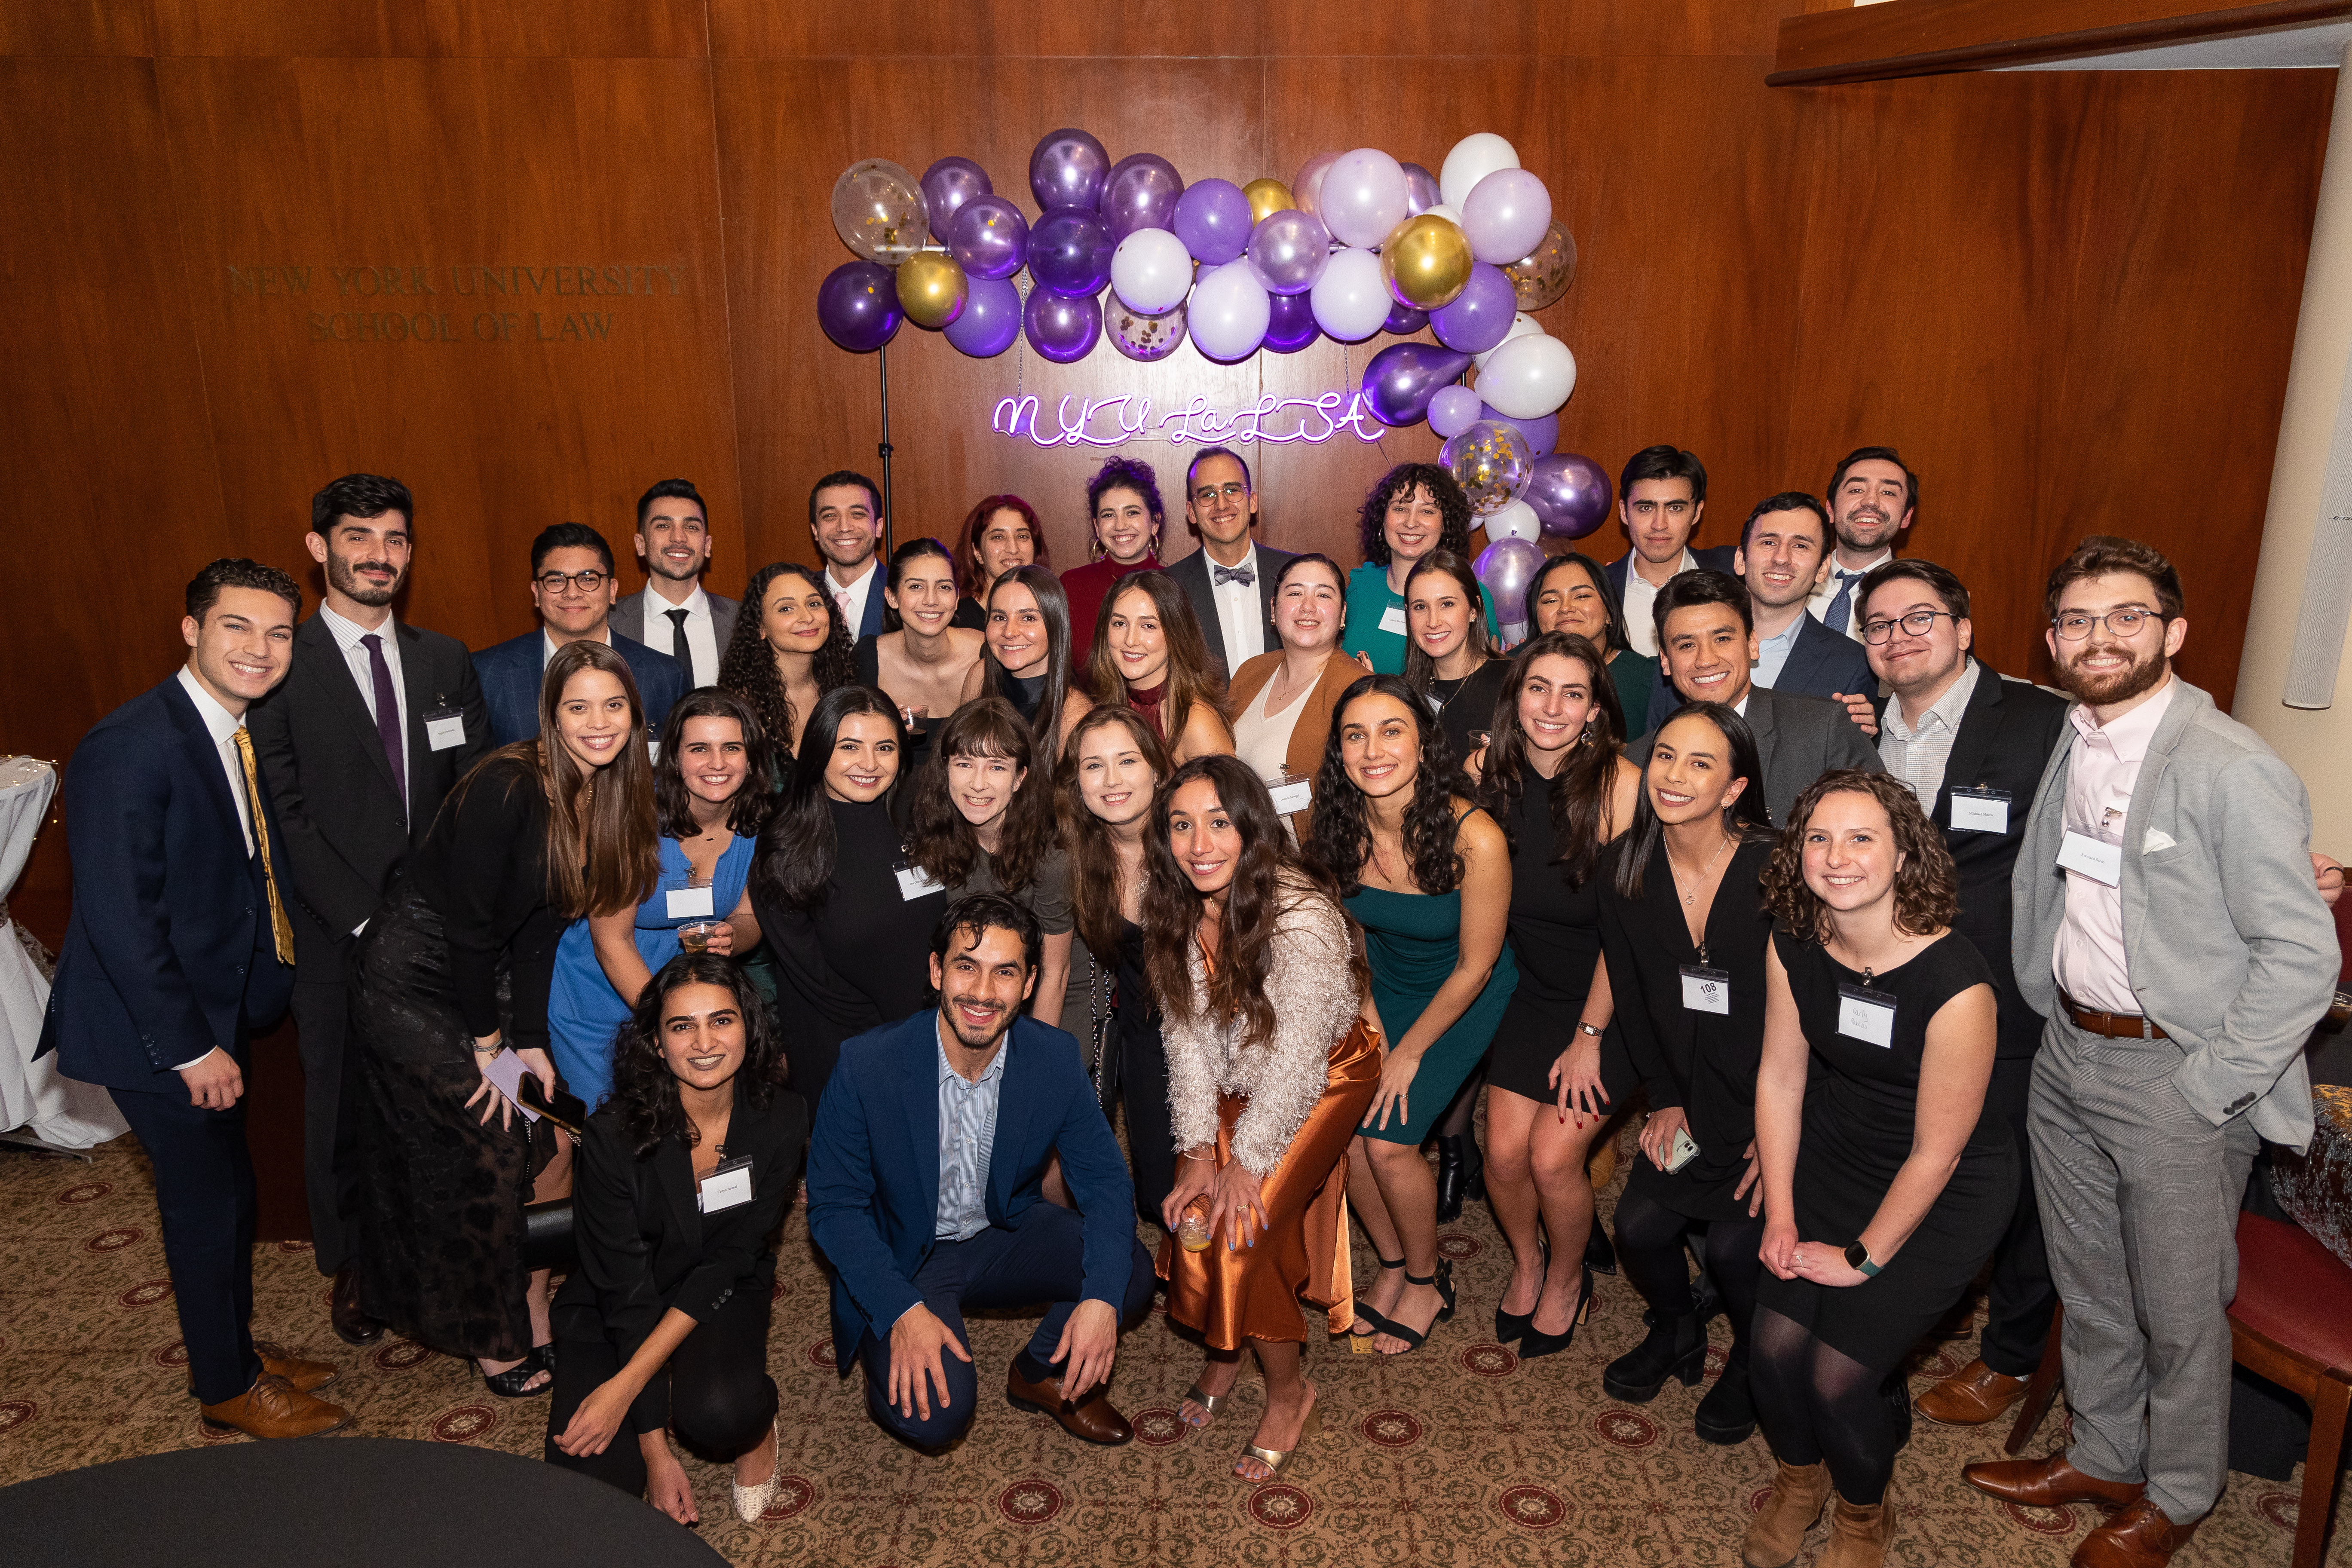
(711, 826)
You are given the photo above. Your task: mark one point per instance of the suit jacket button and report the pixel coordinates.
(240, 969)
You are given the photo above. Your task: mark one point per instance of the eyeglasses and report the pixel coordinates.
(587, 582)
(2075, 625)
(1233, 490)
(1917, 624)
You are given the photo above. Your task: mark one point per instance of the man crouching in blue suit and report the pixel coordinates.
(924, 1181)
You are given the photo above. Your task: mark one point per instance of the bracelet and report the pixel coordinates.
(1190, 1155)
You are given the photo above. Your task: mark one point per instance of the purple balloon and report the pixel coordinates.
(1288, 250)
(1062, 329)
(1290, 326)
(1480, 316)
(1404, 321)
(1505, 569)
(1212, 219)
(989, 238)
(1542, 433)
(947, 185)
(1569, 493)
(1070, 252)
(1140, 193)
(991, 319)
(1402, 377)
(1453, 410)
(857, 306)
(1067, 170)
(1420, 192)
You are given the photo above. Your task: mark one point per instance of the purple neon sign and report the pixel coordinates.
(1116, 421)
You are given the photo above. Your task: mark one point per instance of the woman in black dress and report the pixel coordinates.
(451, 976)
(847, 916)
(1028, 661)
(1886, 1181)
(665, 1322)
(1554, 777)
(1684, 924)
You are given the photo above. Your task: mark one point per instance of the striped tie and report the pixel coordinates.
(281, 931)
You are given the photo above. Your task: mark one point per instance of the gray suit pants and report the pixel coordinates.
(2139, 1198)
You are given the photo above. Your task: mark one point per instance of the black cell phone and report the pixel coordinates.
(564, 1109)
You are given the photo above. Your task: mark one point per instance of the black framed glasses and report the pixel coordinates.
(587, 582)
(2074, 625)
(1917, 624)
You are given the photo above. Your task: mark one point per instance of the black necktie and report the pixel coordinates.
(387, 717)
(1221, 575)
(678, 648)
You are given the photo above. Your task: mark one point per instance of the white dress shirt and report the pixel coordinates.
(1826, 592)
(1640, 594)
(1917, 753)
(346, 634)
(851, 597)
(1240, 612)
(2089, 958)
(547, 645)
(223, 726)
(701, 632)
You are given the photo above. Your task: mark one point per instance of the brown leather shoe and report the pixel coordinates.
(1092, 1420)
(307, 1377)
(352, 1326)
(2140, 1537)
(2049, 1482)
(271, 1408)
(1971, 1396)
(1858, 1535)
(1776, 1535)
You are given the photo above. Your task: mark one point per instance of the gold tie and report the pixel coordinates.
(280, 930)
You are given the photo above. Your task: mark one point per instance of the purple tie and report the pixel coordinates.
(387, 717)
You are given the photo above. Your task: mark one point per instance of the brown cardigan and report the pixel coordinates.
(1308, 737)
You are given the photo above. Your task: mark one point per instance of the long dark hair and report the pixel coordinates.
(1341, 836)
(799, 848)
(970, 575)
(748, 669)
(1608, 600)
(1054, 610)
(1443, 488)
(1269, 878)
(1579, 794)
(1747, 819)
(644, 1091)
(941, 840)
(913, 549)
(1419, 670)
(1093, 857)
(1190, 682)
(748, 812)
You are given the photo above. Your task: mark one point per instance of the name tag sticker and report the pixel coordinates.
(2093, 858)
(687, 903)
(653, 752)
(443, 731)
(729, 1187)
(1980, 811)
(1706, 990)
(914, 882)
(1291, 794)
(1392, 619)
(1867, 1015)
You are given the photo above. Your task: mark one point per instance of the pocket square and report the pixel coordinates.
(2158, 838)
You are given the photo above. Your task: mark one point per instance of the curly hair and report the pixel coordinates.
(1403, 480)
(972, 578)
(644, 1091)
(1125, 474)
(748, 812)
(941, 840)
(2102, 553)
(1578, 795)
(1095, 902)
(1926, 886)
(748, 669)
(1341, 834)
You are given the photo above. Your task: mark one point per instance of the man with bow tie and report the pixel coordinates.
(1229, 580)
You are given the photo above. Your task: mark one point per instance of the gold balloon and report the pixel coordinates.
(1267, 197)
(1426, 262)
(1543, 275)
(931, 289)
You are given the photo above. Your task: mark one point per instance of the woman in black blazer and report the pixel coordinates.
(682, 1176)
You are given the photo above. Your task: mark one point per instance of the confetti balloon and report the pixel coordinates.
(1491, 462)
(880, 212)
(1142, 337)
(1543, 275)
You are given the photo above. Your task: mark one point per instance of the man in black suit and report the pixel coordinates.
(847, 522)
(672, 612)
(373, 725)
(1973, 745)
(178, 948)
(573, 585)
(1661, 498)
(1229, 580)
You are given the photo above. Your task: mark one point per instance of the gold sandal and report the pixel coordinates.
(1212, 1403)
(1274, 1459)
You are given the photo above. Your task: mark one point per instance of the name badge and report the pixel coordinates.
(2093, 858)
(687, 903)
(729, 1187)
(1867, 1015)
(1980, 811)
(653, 752)
(1706, 990)
(914, 882)
(443, 729)
(1392, 620)
(1291, 794)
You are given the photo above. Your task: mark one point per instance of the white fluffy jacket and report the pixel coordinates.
(1315, 1003)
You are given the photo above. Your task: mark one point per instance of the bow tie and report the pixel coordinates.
(1221, 575)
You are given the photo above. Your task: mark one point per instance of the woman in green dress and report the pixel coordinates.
(1570, 593)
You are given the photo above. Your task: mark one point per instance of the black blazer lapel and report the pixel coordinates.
(1200, 588)
(1980, 723)
(316, 645)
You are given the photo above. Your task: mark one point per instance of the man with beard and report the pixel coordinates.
(375, 722)
(1873, 493)
(2167, 926)
(672, 612)
(925, 1178)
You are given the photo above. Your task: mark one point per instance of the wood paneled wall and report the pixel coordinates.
(2068, 299)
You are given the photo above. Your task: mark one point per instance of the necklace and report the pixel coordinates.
(1707, 871)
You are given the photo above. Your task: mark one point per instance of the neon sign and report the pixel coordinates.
(1116, 421)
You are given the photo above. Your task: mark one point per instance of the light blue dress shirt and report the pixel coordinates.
(967, 1135)
(1772, 655)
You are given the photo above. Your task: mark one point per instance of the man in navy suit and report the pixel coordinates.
(1661, 499)
(179, 947)
(925, 1182)
(846, 521)
(573, 587)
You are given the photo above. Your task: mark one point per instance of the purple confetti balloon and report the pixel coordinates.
(1404, 319)
(1062, 329)
(991, 319)
(989, 238)
(1140, 193)
(1402, 377)
(1290, 326)
(1542, 432)
(1505, 569)
(1570, 494)
(1288, 251)
(947, 185)
(857, 306)
(1212, 219)
(1420, 192)
(1068, 170)
(1070, 252)
(1480, 316)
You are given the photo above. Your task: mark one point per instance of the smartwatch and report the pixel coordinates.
(1857, 1257)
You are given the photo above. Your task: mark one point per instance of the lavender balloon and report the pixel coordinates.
(1290, 323)
(1062, 329)
(1542, 432)
(1404, 319)
(1570, 494)
(1070, 252)
(1453, 410)
(1480, 316)
(1505, 569)
(1507, 215)
(1068, 170)
(1139, 337)
(1229, 313)
(1212, 219)
(991, 319)
(1420, 192)
(947, 185)
(1288, 251)
(1140, 193)
(1402, 377)
(989, 238)
(1307, 187)
(857, 306)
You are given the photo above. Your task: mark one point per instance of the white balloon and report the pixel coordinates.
(1514, 520)
(1351, 300)
(1506, 216)
(1528, 377)
(1151, 271)
(1473, 159)
(1450, 214)
(1363, 195)
(1229, 313)
(1522, 325)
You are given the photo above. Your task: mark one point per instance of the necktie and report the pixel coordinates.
(1841, 612)
(281, 933)
(387, 717)
(678, 648)
(1221, 575)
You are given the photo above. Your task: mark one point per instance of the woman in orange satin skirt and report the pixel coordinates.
(1271, 1064)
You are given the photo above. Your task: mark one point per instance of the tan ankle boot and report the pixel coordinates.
(1858, 1535)
(1778, 1533)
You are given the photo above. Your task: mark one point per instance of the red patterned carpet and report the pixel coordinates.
(1456, 1455)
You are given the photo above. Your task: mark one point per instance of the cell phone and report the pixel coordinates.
(564, 1109)
(1682, 1151)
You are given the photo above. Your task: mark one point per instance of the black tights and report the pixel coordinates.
(1649, 1252)
(1816, 1404)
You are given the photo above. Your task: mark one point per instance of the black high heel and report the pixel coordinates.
(1674, 1348)
(1600, 1256)
(510, 1384)
(1509, 1326)
(1535, 1343)
(1381, 1325)
(1461, 1175)
(1443, 1279)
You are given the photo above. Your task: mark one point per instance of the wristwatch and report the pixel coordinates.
(1857, 1257)
(1584, 1028)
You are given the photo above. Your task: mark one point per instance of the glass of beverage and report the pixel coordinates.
(695, 935)
(1192, 1227)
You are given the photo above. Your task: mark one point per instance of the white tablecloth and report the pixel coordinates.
(33, 1097)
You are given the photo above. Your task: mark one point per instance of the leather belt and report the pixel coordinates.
(2112, 1025)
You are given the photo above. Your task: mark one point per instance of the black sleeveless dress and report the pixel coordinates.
(1555, 935)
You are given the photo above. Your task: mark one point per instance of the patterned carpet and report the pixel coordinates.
(1456, 1455)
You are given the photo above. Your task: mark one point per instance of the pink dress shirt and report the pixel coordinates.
(2089, 957)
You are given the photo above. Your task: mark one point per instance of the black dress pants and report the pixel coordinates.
(204, 1192)
(722, 1398)
(330, 1110)
(2019, 1299)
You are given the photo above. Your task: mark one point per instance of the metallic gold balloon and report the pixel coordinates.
(1267, 197)
(1543, 275)
(933, 289)
(1426, 262)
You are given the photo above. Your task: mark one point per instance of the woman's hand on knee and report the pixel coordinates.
(667, 1487)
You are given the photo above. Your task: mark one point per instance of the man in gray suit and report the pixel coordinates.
(2180, 984)
(1229, 580)
(1706, 642)
(672, 613)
